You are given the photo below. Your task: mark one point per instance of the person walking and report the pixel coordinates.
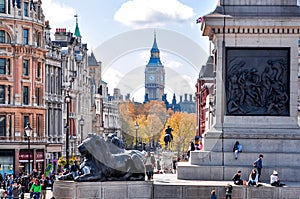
(228, 191)
(44, 184)
(213, 194)
(16, 191)
(149, 162)
(35, 189)
(258, 164)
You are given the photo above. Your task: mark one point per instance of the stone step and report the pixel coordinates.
(261, 145)
(206, 158)
(187, 171)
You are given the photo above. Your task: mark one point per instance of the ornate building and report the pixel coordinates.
(205, 103)
(53, 98)
(22, 66)
(76, 90)
(154, 75)
(94, 68)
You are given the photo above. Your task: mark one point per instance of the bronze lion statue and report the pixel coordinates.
(108, 162)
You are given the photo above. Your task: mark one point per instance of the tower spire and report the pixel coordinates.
(77, 32)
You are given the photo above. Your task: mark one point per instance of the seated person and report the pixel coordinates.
(253, 177)
(274, 179)
(237, 148)
(237, 178)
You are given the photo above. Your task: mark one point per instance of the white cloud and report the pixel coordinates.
(147, 13)
(113, 76)
(58, 14)
(174, 64)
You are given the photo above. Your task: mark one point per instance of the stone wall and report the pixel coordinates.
(152, 190)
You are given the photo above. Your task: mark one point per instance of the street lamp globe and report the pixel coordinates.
(28, 130)
(81, 121)
(136, 126)
(67, 98)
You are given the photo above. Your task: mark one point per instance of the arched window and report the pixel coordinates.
(4, 37)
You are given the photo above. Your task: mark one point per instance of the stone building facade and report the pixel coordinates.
(22, 62)
(54, 99)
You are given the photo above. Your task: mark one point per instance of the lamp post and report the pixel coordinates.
(81, 122)
(28, 133)
(67, 101)
(136, 134)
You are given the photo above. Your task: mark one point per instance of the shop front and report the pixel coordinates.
(7, 162)
(25, 161)
(40, 161)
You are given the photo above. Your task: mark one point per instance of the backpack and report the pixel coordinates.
(255, 164)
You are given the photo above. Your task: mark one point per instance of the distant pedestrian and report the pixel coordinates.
(36, 189)
(213, 194)
(44, 184)
(258, 164)
(174, 162)
(228, 191)
(16, 190)
(237, 148)
(149, 162)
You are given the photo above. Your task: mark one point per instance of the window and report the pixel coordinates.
(8, 66)
(18, 3)
(39, 125)
(39, 70)
(2, 66)
(38, 96)
(2, 125)
(25, 67)
(25, 36)
(2, 6)
(38, 39)
(25, 95)
(2, 35)
(26, 9)
(25, 120)
(9, 94)
(2, 94)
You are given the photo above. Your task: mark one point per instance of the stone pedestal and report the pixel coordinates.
(98, 190)
(266, 125)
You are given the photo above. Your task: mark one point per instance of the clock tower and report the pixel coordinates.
(154, 75)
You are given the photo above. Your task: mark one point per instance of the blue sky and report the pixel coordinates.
(103, 22)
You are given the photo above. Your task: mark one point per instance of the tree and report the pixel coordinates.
(184, 128)
(150, 118)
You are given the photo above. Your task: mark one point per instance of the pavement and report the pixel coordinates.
(171, 179)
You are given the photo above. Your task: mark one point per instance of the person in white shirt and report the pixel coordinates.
(274, 179)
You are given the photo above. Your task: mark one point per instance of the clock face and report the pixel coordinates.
(151, 77)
